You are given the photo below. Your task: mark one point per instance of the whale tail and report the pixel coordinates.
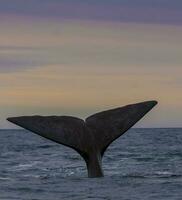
(90, 138)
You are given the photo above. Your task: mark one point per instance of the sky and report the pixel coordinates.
(78, 57)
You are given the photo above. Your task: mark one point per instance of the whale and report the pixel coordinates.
(90, 137)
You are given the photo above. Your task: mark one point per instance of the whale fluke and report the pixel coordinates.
(90, 138)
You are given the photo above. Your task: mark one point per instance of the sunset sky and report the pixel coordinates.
(78, 57)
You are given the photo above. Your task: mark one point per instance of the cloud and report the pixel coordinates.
(17, 58)
(140, 11)
(89, 46)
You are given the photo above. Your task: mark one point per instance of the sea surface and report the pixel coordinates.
(142, 164)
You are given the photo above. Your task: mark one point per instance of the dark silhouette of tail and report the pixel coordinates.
(90, 138)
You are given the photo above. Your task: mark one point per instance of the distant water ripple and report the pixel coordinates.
(142, 164)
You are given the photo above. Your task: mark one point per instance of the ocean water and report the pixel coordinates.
(142, 164)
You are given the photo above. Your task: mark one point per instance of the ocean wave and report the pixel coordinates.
(45, 146)
(158, 174)
(21, 167)
(167, 174)
(5, 178)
